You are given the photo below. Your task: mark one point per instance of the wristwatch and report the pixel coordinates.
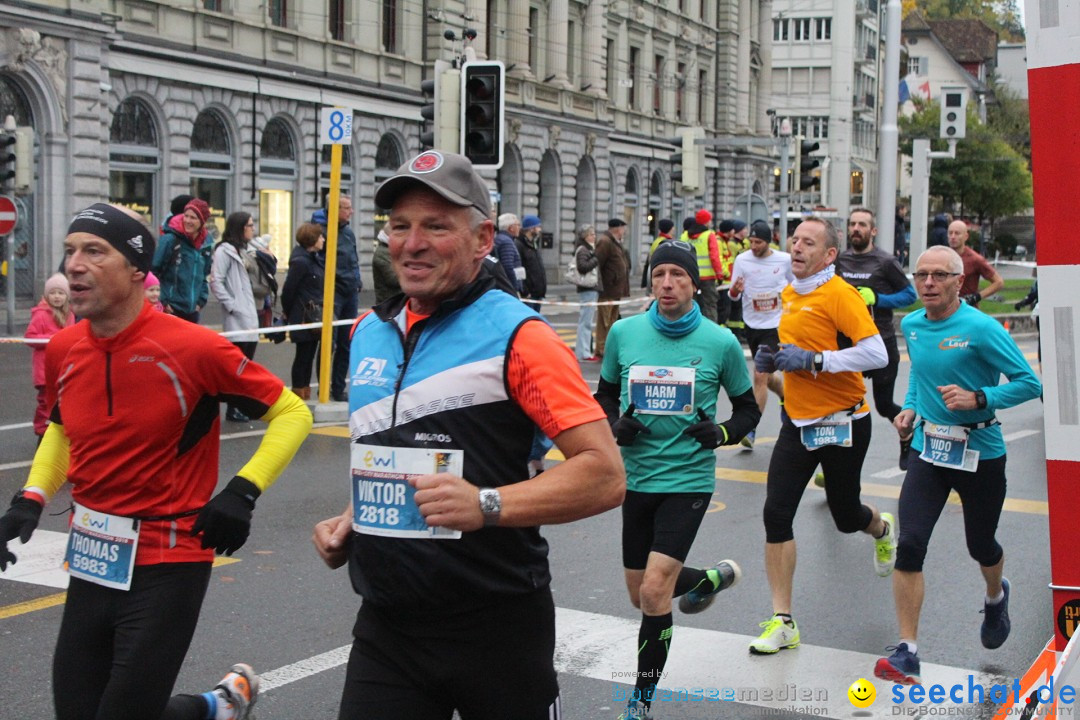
(490, 506)
(819, 361)
(980, 400)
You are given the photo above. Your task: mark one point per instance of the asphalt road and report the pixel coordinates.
(280, 609)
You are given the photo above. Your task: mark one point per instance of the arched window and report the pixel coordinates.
(134, 158)
(277, 184)
(27, 245)
(277, 152)
(212, 164)
(388, 158)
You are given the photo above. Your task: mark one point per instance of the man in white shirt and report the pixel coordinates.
(757, 277)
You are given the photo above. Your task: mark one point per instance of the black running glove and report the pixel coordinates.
(225, 521)
(973, 299)
(627, 427)
(706, 432)
(19, 521)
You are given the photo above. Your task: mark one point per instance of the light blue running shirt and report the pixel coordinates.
(972, 350)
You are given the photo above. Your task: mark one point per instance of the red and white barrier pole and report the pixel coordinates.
(1053, 52)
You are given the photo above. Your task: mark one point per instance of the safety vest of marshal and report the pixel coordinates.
(704, 263)
(444, 386)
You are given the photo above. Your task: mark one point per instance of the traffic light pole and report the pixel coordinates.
(785, 182)
(921, 157)
(9, 258)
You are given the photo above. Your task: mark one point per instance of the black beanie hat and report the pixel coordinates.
(665, 225)
(678, 253)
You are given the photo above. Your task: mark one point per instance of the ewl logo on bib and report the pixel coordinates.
(369, 371)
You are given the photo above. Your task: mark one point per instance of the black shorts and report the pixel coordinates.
(666, 523)
(756, 337)
(493, 662)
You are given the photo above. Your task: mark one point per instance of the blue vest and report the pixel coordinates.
(443, 386)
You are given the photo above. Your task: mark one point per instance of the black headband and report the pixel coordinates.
(131, 237)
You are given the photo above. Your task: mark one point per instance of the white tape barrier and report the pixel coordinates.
(338, 323)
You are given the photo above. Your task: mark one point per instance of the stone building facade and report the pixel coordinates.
(138, 101)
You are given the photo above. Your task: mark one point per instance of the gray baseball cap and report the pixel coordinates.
(448, 174)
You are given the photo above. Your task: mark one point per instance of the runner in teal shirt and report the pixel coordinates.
(958, 355)
(663, 371)
(972, 350)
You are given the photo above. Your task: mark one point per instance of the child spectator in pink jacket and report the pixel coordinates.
(47, 318)
(152, 287)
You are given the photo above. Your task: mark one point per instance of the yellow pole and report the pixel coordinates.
(327, 344)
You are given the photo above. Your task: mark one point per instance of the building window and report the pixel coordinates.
(611, 68)
(801, 29)
(214, 5)
(277, 153)
(680, 92)
(780, 30)
(658, 85)
(703, 93)
(390, 26)
(571, 53)
(534, 41)
(336, 13)
(631, 92)
(134, 158)
(918, 66)
(211, 165)
(823, 29)
(388, 158)
(279, 13)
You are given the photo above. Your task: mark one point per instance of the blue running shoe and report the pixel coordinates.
(748, 441)
(695, 601)
(996, 625)
(901, 667)
(636, 710)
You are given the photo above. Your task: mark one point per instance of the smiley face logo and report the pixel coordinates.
(861, 693)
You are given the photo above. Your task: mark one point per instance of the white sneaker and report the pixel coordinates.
(885, 547)
(238, 691)
(778, 636)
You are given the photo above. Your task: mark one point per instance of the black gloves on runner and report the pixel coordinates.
(225, 521)
(706, 432)
(627, 427)
(19, 521)
(973, 299)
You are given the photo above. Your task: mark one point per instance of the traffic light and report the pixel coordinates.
(8, 159)
(444, 109)
(482, 113)
(953, 113)
(805, 165)
(688, 165)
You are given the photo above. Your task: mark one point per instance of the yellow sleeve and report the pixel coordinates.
(289, 423)
(48, 472)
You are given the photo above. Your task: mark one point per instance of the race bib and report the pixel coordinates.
(833, 429)
(947, 446)
(662, 390)
(101, 548)
(765, 302)
(383, 501)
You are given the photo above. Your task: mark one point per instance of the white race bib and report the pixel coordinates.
(383, 501)
(101, 547)
(947, 446)
(832, 429)
(662, 390)
(765, 302)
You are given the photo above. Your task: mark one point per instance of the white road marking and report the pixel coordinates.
(16, 426)
(888, 474)
(602, 647)
(1019, 434)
